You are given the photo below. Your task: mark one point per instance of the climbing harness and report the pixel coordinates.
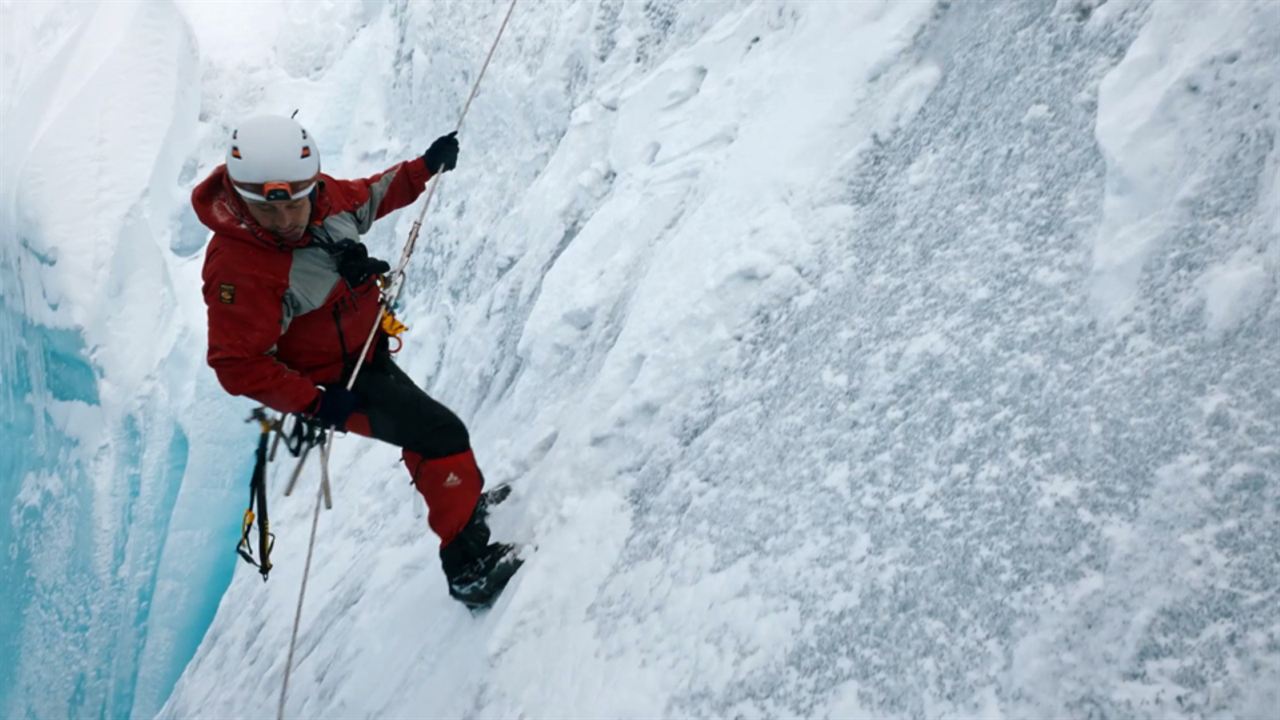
(384, 320)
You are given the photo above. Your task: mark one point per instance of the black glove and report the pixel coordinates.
(354, 264)
(334, 406)
(442, 156)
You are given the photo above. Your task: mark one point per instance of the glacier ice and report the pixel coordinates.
(117, 528)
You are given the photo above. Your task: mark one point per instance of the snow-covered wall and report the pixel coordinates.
(876, 358)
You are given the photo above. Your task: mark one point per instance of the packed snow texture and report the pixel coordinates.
(848, 359)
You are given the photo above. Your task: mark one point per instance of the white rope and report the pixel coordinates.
(306, 571)
(397, 277)
(323, 493)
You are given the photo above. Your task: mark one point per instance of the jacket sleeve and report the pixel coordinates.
(387, 191)
(244, 326)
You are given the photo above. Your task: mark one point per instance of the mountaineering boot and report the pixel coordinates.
(492, 498)
(477, 570)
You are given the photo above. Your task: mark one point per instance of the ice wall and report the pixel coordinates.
(107, 587)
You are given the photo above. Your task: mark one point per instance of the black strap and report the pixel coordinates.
(348, 361)
(304, 434)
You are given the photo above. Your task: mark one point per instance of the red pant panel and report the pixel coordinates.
(434, 442)
(451, 486)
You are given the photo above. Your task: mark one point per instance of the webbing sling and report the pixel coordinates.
(258, 498)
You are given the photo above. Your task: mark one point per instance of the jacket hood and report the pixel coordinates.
(220, 208)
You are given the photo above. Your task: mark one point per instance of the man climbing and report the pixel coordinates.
(292, 295)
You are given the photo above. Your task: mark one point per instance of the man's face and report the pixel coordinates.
(286, 218)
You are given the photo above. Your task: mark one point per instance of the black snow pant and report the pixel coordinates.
(435, 443)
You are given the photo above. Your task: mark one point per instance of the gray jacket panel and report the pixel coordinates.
(312, 276)
(365, 214)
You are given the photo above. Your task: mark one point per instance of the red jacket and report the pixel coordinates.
(281, 319)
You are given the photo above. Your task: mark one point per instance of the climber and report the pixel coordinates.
(292, 295)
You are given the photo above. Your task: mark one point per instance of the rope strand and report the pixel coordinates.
(397, 277)
(302, 592)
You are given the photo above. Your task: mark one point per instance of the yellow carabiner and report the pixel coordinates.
(392, 326)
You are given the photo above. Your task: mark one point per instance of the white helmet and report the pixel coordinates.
(272, 158)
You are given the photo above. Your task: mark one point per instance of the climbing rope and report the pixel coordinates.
(397, 276)
(306, 570)
(389, 298)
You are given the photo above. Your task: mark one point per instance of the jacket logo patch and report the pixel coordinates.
(227, 293)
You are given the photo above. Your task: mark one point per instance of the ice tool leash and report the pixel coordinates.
(258, 498)
(299, 441)
(390, 295)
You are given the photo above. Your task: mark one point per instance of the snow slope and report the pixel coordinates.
(877, 358)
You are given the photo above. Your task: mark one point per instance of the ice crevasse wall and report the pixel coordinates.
(116, 524)
(865, 358)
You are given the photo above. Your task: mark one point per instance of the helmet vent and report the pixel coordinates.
(271, 149)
